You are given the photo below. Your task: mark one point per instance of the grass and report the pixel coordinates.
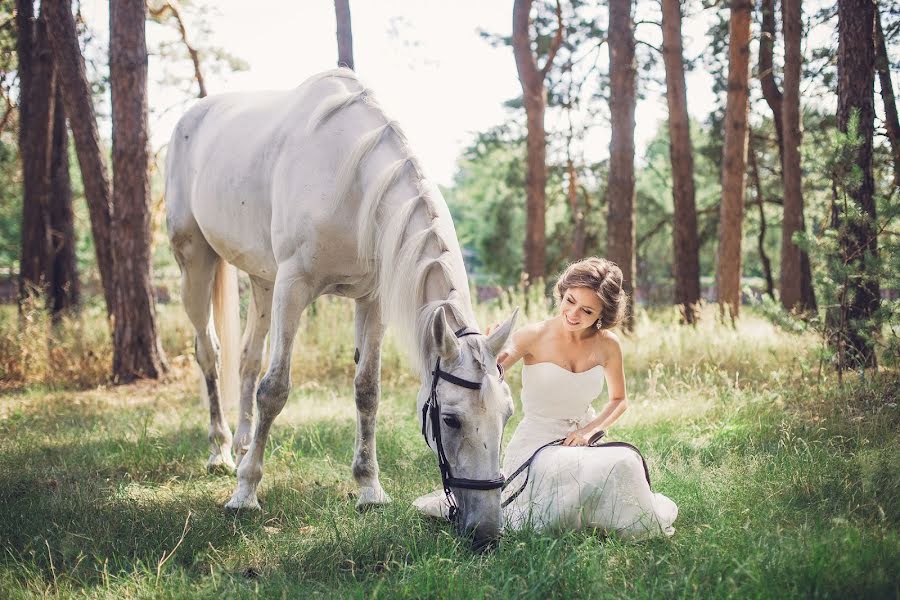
(787, 484)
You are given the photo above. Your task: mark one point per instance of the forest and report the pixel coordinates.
(756, 228)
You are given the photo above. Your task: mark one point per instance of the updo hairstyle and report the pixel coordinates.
(605, 279)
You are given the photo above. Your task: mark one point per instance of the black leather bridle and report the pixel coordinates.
(431, 412)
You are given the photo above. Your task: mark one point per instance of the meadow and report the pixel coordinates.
(787, 482)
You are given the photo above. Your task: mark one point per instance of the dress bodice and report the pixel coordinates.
(550, 391)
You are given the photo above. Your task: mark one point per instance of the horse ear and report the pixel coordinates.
(444, 340)
(498, 337)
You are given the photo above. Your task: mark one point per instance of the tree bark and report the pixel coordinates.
(686, 259)
(620, 191)
(137, 352)
(37, 81)
(887, 96)
(857, 234)
(535, 99)
(770, 90)
(734, 161)
(79, 107)
(64, 290)
(344, 33)
(796, 285)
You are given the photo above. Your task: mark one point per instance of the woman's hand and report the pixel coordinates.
(579, 437)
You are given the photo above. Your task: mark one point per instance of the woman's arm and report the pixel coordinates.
(618, 398)
(516, 347)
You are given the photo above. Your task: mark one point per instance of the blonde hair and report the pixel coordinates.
(602, 276)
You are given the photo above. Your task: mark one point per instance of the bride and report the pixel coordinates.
(560, 476)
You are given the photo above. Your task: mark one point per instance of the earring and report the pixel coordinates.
(599, 323)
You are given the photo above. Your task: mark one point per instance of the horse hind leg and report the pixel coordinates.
(367, 385)
(199, 262)
(258, 321)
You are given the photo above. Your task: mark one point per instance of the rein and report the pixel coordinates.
(594, 443)
(431, 413)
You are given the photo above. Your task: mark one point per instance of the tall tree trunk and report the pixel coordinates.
(770, 90)
(79, 107)
(887, 96)
(64, 288)
(37, 80)
(760, 200)
(344, 33)
(686, 261)
(535, 98)
(796, 285)
(620, 191)
(734, 161)
(137, 351)
(857, 233)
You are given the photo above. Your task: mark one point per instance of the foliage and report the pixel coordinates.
(841, 270)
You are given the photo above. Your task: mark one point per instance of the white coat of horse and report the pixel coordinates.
(313, 191)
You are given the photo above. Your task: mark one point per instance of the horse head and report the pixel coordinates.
(464, 405)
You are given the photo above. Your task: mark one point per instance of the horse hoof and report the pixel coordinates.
(370, 497)
(238, 504)
(220, 464)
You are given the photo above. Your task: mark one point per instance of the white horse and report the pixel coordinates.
(313, 191)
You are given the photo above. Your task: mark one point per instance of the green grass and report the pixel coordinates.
(787, 485)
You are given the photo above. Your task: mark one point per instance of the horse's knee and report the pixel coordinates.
(366, 386)
(272, 395)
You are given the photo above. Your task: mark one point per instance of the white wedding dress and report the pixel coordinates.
(571, 487)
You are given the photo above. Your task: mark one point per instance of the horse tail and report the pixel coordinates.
(227, 321)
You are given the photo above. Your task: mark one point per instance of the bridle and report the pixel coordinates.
(431, 412)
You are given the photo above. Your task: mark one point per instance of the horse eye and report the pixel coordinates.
(452, 421)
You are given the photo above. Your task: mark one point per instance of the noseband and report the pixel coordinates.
(431, 412)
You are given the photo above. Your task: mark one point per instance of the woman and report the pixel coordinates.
(568, 484)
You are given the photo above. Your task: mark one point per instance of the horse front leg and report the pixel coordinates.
(367, 384)
(290, 297)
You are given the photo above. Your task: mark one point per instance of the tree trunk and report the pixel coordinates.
(535, 99)
(761, 239)
(344, 33)
(887, 96)
(734, 161)
(686, 260)
(63, 277)
(767, 70)
(857, 234)
(137, 352)
(79, 107)
(37, 80)
(620, 191)
(796, 286)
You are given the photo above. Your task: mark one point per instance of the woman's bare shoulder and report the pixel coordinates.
(608, 345)
(527, 335)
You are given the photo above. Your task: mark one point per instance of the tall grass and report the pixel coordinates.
(787, 483)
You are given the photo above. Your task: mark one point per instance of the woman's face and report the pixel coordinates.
(580, 308)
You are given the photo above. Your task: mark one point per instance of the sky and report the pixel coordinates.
(424, 59)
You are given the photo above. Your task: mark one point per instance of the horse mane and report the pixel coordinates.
(398, 255)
